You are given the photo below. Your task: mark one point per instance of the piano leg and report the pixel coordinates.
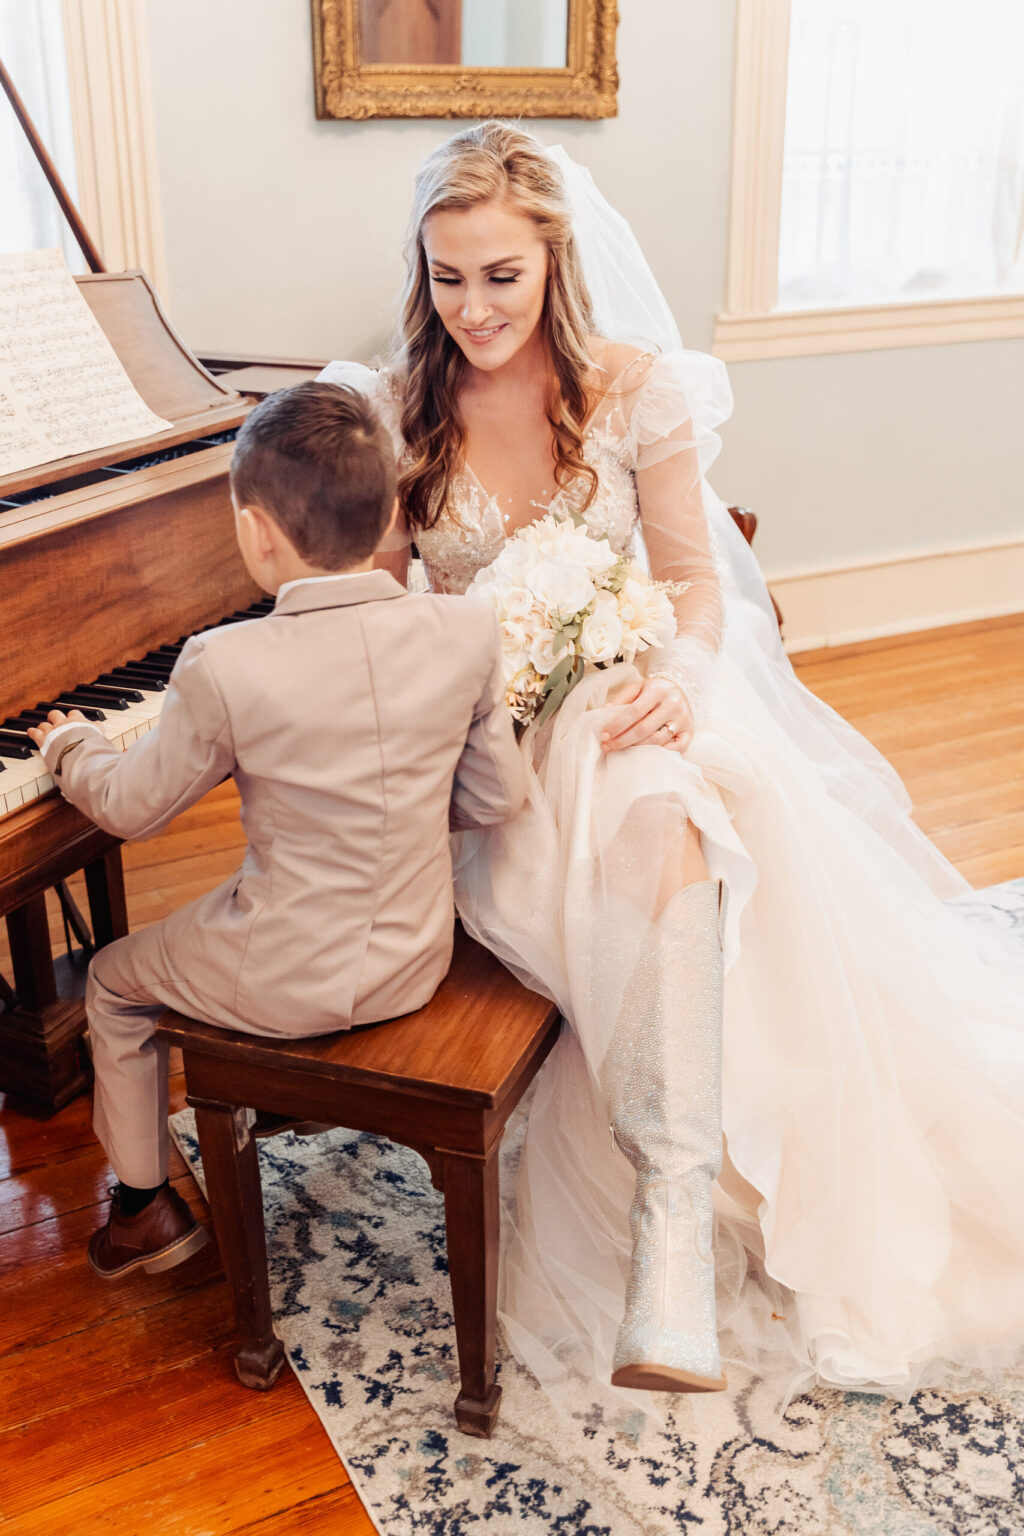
(42, 1052)
(41, 1055)
(104, 884)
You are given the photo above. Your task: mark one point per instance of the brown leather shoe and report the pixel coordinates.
(164, 1234)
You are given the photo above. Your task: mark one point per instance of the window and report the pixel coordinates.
(32, 48)
(878, 179)
(81, 67)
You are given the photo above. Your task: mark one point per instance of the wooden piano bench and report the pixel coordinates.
(443, 1081)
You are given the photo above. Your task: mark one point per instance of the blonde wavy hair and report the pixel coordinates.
(489, 160)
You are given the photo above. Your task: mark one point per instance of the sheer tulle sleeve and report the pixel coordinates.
(671, 412)
(375, 384)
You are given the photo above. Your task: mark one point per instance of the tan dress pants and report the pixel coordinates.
(131, 983)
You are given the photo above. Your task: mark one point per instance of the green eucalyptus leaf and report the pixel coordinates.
(559, 674)
(559, 689)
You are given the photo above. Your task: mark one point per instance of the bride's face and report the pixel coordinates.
(488, 276)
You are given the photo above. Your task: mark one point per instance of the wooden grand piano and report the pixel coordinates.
(104, 559)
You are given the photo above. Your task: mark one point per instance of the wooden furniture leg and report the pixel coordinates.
(233, 1188)
(40, 1040)
(471, 1214)
(104, 884)
(42, 1053)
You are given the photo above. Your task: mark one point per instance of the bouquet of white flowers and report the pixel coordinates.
(565, 598)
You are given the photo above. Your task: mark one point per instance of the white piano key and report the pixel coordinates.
(10, 799)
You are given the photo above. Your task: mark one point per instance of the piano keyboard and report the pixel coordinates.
(125, 703)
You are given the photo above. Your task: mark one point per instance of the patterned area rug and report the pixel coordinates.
(355, 1234)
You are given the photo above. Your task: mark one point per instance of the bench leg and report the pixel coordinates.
(233, 1186)
(471, 1214)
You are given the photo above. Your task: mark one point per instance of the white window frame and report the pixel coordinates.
(750, 325)
(115, 135)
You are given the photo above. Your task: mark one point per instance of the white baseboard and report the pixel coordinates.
(899, 594)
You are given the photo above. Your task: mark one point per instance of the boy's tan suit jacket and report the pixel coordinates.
(358, 720)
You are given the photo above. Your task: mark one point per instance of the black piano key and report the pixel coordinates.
(129, 679)
(71, 700)
(161, 659)
(146, 664)
(79, 698)
(155, 682)
(23, 721)
(13, 745)
(115, 685)
(118, 687)
(63, 703)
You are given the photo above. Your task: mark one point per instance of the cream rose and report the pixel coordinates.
(547, 650)
(518, 604)
(601, 635)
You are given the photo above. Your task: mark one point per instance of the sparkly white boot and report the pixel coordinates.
(663, 1078)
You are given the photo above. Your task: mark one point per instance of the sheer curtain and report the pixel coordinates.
(903, 173)
(32, 48)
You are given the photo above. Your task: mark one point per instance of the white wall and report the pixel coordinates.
(284, 238)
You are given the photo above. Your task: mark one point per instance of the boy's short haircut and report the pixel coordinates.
(317, 458)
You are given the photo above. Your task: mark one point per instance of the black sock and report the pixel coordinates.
(131, 1200)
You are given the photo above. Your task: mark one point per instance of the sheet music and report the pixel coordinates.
(62, 387)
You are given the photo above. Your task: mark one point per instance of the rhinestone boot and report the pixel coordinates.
(663, 1078)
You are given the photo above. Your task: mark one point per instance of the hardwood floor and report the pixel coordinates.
(119, 1409)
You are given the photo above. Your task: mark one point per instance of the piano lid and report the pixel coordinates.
(169, 378)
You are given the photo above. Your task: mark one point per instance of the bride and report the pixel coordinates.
(703, 840)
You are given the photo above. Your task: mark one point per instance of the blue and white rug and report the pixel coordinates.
(355, 1233)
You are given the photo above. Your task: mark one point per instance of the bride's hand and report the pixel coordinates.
(651, 710)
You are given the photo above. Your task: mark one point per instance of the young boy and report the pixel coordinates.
(359, 721)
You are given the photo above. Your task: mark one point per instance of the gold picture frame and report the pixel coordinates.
(348, 88)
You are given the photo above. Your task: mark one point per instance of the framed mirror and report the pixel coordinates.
(464, 58)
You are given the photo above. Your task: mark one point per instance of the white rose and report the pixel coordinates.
(517, 603)
(513, 662)
(646, 613)
(486, 585)
(601, 635)
(517, 562)
(663, 620)
(563, 589)
(547, 650)
(596, 556)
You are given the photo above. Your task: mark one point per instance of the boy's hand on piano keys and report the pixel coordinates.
(56, 717)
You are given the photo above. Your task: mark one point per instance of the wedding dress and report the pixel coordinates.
(870, 1210)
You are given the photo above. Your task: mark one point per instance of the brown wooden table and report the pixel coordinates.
(443, 1081)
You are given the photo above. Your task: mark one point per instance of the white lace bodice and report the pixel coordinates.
(470, 532)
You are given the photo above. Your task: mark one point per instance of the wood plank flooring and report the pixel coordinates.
(119, 1408)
